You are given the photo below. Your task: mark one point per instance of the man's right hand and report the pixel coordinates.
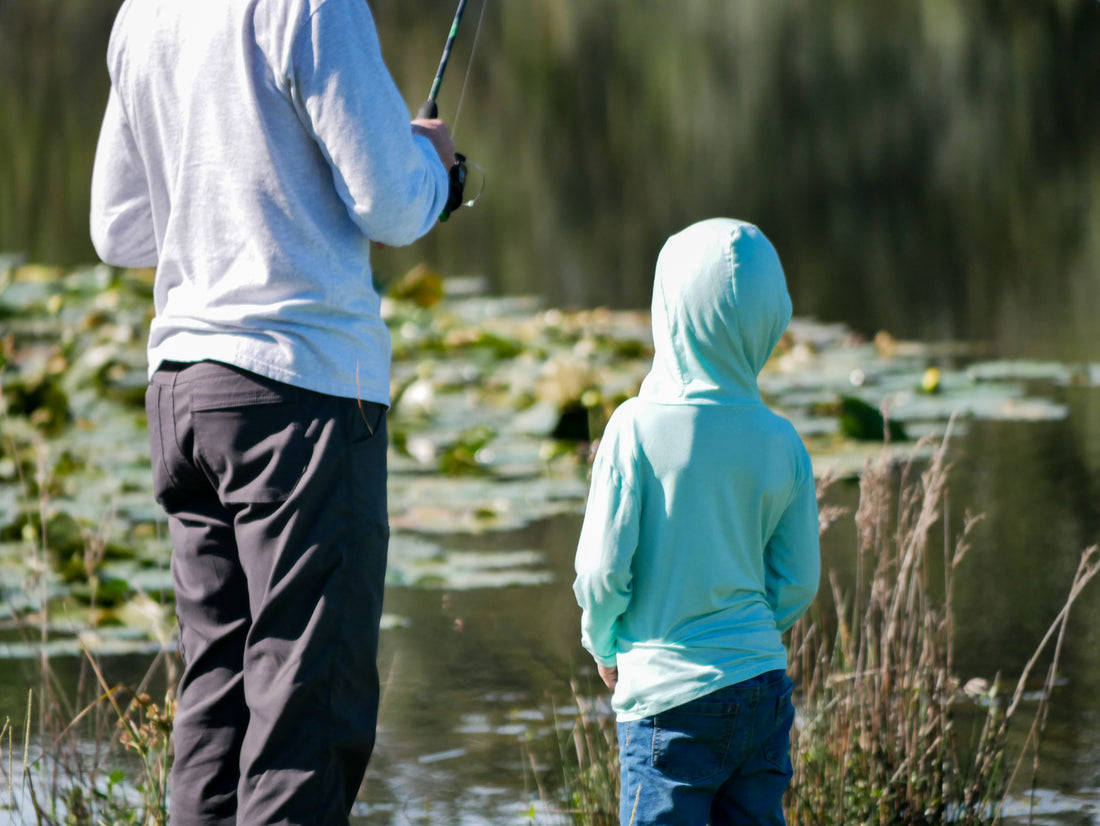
(437, 132)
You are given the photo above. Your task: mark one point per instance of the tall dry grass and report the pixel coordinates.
(886, 733)
(89, 752)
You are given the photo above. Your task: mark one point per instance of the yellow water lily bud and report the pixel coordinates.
(930, 381)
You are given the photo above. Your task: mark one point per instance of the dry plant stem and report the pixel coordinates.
(7, 730)
(535, 775)
(28, 779)
(1087, 569)
(878, 740)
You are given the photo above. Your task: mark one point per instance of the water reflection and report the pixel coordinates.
(473, 676)
(475, 673)
(930, 168)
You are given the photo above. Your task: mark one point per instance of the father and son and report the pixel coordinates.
(251, 151)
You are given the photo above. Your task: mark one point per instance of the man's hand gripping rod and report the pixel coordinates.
(429, 109)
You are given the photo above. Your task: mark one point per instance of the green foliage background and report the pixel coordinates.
(931, 167)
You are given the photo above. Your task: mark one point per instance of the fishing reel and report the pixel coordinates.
(457, 176)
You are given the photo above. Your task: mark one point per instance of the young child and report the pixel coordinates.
(700, 545)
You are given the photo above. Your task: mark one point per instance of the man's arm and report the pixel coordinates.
(389, 173)
(121, 219)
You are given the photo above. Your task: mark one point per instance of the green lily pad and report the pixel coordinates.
(481, 385)
(415, 563)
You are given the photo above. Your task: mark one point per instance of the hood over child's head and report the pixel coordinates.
(720, 305)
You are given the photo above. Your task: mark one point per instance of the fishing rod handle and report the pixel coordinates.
(428, 110)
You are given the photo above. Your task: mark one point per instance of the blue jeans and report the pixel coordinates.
(723, 759)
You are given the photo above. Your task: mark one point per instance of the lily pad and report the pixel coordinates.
(1050, 371)
(417, 563)
(482, 385)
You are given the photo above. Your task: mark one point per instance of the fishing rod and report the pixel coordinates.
(430, 109)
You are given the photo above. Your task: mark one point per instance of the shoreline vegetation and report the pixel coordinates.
(885, 731)
(505, 393)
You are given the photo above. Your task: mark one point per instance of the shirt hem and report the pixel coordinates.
(653, 707)
(367, 391)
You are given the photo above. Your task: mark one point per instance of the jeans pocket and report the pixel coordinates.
(777, 745)
(691, 747)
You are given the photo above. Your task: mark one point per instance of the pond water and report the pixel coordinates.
(480, 646)
(931, 170)
(475, 673)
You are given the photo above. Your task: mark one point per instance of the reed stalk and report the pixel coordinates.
(886, 734)
(75, 745)
(881, 736)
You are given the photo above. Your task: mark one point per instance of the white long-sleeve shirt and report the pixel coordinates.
(250, 151)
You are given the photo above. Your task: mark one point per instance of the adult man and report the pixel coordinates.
(250, 151)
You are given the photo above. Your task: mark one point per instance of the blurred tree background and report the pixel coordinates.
(931, 168)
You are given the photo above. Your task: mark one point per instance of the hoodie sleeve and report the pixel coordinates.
(792, 557)
(121, 219)
(605, 552)
(392, 182)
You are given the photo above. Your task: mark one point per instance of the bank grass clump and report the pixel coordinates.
(95, 753)
(887, 733)
(85, 774)
(85, 751)
(593, 775)
(585, 751)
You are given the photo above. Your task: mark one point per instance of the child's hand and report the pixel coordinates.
(610, 676)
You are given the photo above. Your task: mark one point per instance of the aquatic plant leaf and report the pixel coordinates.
(102, 590)
(40, 399)
(465, 570)
(96, 643)
(862, 422)
(486, 382)
(1001, 371)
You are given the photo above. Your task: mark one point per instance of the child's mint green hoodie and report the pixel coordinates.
(700, 538)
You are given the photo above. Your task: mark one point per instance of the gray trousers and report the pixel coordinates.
(276, 504)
